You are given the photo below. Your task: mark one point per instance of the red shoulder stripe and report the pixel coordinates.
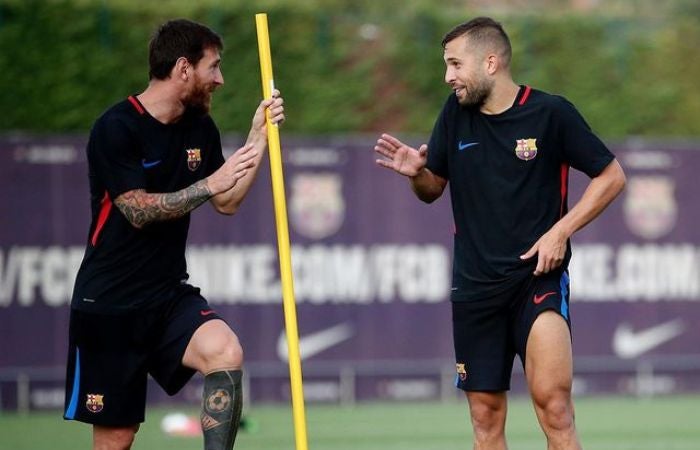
(136, 104)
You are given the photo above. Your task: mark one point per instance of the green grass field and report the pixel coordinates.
(666, 423)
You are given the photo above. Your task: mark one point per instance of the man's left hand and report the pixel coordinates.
(275, 106)
(550, 250)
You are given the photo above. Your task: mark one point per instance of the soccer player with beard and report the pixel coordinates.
(153, 158)
(506, 150)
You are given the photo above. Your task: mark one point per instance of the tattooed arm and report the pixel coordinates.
(141, 208)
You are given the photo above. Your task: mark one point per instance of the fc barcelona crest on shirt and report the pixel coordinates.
(194, 158)
(526, 149)
(94, 403)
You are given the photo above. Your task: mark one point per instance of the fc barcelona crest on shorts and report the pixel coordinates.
(194, 158)
(94, 403)
(526, 149)
(462, 371)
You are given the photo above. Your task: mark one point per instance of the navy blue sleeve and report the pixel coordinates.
(581, 149)
(438, 145)
(114, 155)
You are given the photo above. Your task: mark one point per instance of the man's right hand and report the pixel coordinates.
(400, 157)
(233, 169)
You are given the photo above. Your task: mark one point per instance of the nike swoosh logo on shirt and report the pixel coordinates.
(149, 164)
(461, 146)
(628, 343)
(315, 343)
(207, 312)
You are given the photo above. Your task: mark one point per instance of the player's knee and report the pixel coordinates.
(114, 438)
(487, 419)
(233, 354)
(557, 413)
(226, 353)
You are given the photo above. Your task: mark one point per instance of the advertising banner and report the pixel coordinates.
(372, 270)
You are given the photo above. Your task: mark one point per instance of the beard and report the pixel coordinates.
(477, 93)
(199, 99)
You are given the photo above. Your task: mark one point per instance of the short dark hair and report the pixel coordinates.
(481, 31)
(179, 38)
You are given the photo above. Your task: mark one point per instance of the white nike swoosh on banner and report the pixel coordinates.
(629, 344)
(314, 343)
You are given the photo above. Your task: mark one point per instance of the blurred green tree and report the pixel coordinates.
(353, 66)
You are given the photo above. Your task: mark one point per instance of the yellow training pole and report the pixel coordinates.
(290, 315)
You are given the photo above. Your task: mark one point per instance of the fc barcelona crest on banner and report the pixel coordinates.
(317, 208)
(94, 403)
(650, 206)
(194, 158)
(526, 149)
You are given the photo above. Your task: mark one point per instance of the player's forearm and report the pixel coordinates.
(601, 191)
(141, 208)
(427, 186)
(228, 202)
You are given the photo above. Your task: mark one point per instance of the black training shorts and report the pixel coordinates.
(489, 332)
(110, 357)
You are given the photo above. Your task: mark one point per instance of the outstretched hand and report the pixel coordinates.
(400, 157)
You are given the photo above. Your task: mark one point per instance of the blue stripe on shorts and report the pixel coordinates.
(564, 288)
(73, 405)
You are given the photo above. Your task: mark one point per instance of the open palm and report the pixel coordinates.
(400, 157)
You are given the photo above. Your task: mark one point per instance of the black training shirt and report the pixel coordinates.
(124, 267)
(508, 177)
